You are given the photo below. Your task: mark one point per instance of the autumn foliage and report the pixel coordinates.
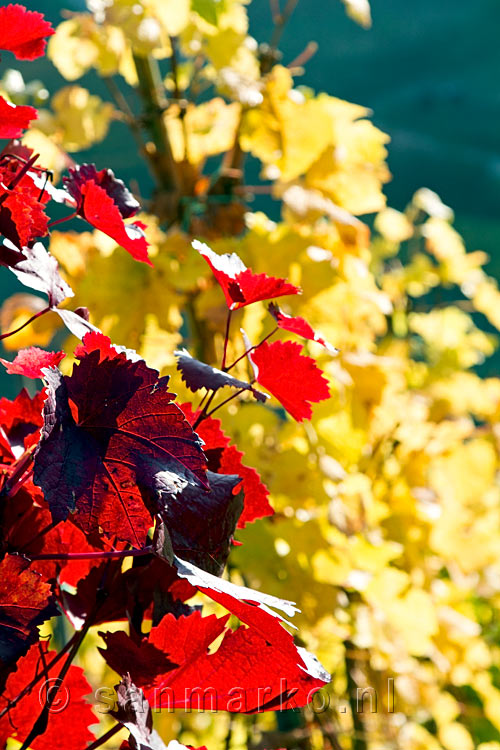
(230, 405)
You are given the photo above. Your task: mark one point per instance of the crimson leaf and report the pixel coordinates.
(246, 674)
(23, 32)
(13, 120)
(112, 441)
(25, 602)
(30, 362)
(240, 285)
(292, 378)
(300, 326)
(104, 202)
(71, 723)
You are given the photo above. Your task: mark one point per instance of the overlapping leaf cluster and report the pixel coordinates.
(385, 495)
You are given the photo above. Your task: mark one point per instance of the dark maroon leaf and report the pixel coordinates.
(114, 447)
(198, 375)
(134, 712)
(105, 178)
(201, 524)
(224, 458)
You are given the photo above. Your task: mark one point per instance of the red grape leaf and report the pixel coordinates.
(23, 32)
(13, 120)
(300, 326)
(224, 458)
(25, 602)
(198, 375)
(116, 189)
(22, 215)
(38, 270)
(247, 673)
(95, 341)
(112, 440)
(67, 724)
(294, 379)
(30, 362)
(20, 423)
(24, 523)
(104, 202)
(240, 285)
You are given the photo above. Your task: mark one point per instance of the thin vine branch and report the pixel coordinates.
(252, 348)
(26, 323)
(38, 677)
(110, 555)
(105, 737)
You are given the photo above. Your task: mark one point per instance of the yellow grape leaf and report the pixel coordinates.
(455, 736)
(52, 156)
(393, 225)
(287, 131)
(204, 130)
(451, 338)
(71, 49)
(172, 14)
(445, 709)
(157, 345)
(80, 43)
(81, 118)
(486, 299)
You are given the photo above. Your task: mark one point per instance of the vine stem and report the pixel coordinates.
(105, 737)
(22, 469)
(111, 555)
(26, 323)
(155, 103)
(226, 340)
(358, 742)
(252, 348)
(226, 400)
(281, 21)
(63, 219)
(40, 724)
(203, 414)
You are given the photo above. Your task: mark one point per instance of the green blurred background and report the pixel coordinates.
(428, 70)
